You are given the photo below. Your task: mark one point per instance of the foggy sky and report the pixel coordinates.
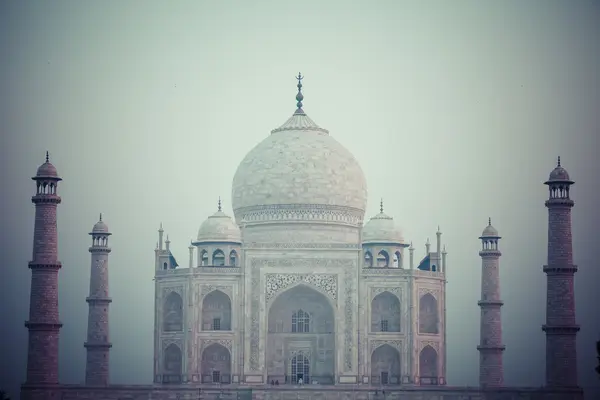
(455, 110)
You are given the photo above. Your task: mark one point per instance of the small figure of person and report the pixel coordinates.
(300, 381)
(277, 382)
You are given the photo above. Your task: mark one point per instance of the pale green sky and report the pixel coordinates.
(455, 110)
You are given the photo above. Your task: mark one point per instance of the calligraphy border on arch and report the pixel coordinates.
(375, 344)
(255, 265)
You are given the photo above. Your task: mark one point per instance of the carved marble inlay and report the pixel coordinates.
(290, 245)
(168, 289)
(206, 289)
(374, 344)
(275, 283)
(425, 290)
(349, 266)
(295, 212)
(169, 341)
(378, 290)
(432, 343)
(204, 343)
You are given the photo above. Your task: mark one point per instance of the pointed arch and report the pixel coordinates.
(216, 311)
(397, 259)
(428, 314)
(385, 365)
(172, 364)
(368, 259)
(385, 313)
(204, 258)
(428, 360)
(218, 258)
(301, 314)
(383, 259)
(233, 258)
(173, 313)
(215, 364)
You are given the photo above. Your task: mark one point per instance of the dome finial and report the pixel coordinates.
(299, 96)
(558, 163)
(489, 221)
(381, 206)
(47, 156)
(219, 209)
(100, 217)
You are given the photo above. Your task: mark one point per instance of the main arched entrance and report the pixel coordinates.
(300, 341)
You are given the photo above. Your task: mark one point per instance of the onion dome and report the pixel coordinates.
(382, 229)
(219, 227)
(302, 168)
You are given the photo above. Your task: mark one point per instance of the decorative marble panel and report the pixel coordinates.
(168, 289)
(289, 245)
(374, 344)
(425, 290)
(166, 342)
(432, 343)
(275, 283)
(349, 322)
(394, 290)
(204, 343)
(206, 289)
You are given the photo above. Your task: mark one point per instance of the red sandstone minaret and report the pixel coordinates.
(43, 323)
(98, 344)
(491, 372)
(561, 328)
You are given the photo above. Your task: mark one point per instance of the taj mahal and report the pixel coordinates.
(299, 293)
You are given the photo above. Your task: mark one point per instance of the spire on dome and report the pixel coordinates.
(299, 96)
(219, 208)
(558, 163)
(100, 217)
(381, 206)
(48, 156)
(490, 218)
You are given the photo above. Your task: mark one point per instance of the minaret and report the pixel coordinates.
(561, 328)
(491, 372)
(43, 324)
(411, 252)
(427, 247)
(438, 235)
(160, 237)
(97, 344)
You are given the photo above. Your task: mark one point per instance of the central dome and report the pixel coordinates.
(299, 166)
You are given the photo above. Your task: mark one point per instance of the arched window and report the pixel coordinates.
(218, 258)
(428, 314)
(300, 322)
(233, 258)
(165, 266)
(173, 313)
(397, 260)
(368, 259)
(204, 258)
(383, 259)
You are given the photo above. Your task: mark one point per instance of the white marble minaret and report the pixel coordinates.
(98, 344)
(491, 373)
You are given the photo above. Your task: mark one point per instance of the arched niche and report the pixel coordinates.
(428, 360)
(233, 258)
(385, 365)
(368, 261)
(428, 314)
(301, 320)
(204, 258)
(215, 365)
(173, 313)
(216, 312)
(385, 313)
(172, 364)
(397, 259)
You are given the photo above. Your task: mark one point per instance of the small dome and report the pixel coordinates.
(100, 227)
(47, 170)
(219, 227)
(559, 173)
(381, 229)
(489, 231)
